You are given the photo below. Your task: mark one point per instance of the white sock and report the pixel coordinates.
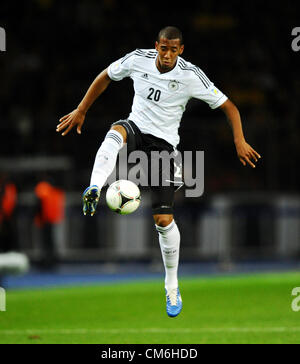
(106, 158)
(169, 240)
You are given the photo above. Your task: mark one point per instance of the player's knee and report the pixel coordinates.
(163, 219)
(121, 130)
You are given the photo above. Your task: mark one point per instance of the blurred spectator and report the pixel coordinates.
(8, 200)
(51, 211)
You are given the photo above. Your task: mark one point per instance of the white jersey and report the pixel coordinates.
(160, 98)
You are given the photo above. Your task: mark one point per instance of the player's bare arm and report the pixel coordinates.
(77, 116)
(245, 152)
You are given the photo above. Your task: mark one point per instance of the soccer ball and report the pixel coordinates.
(123, 197)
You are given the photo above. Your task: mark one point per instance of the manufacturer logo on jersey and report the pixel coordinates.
(145, 75)
(173, 85)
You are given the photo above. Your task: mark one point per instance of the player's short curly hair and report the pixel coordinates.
(170, 32)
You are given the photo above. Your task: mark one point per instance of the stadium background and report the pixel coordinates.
(54, 51)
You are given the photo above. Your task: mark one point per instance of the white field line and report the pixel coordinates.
(149, 331)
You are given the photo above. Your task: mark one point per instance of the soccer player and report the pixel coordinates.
(163, 83)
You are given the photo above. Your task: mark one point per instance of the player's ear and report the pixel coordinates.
(156, 45)
(181, 49)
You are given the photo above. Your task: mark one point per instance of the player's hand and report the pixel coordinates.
(67, 122)
(246, 153)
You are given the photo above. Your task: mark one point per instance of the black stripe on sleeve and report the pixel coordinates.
(127, 56)
(147, 54)
(205, 83)
(139, 52)
(197, 71)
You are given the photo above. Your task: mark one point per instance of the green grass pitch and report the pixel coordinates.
(229, 309)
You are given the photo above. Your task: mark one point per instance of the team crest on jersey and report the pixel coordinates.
(173, 85)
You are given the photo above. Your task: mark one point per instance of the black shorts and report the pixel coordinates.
(168, 180)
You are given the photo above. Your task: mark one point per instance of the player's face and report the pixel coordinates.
(168, 51)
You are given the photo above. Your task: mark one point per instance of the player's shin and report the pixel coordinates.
(106, 158)
(169, 240)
